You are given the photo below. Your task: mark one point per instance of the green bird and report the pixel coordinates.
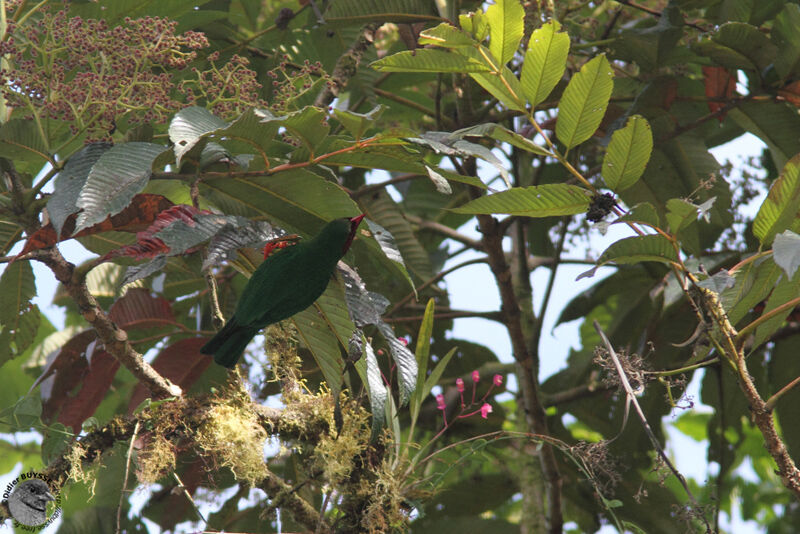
(288, 281)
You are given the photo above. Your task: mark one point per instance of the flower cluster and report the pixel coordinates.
(485, 408)
(291, 82)
(228, 90)
(91, 75)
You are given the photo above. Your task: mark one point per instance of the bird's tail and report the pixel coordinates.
(229, 343)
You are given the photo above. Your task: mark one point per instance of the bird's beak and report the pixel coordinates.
(354, 222)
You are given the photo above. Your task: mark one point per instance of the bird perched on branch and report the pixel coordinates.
(288, 281)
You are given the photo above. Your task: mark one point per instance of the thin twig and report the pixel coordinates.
(631, 399)
(125, 478)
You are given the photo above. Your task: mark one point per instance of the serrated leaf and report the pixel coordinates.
(475, 23)
(584, 102)
(737, 45)
(21, 139)
(505, 19)
(69, 182)
(536, 201)
(753, 284)
(430, 60)
(545, 62)
(447, 36)
(140, 272)
(780, 207)
(628, 154)
(786, 251)
(188, 127)
(501, 83)
(119, 174)
(638, 249)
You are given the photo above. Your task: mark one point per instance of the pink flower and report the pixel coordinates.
(497, 380)
(476, 376)
(403, 340)
(486, 409)
(460, 385)
(440, 405)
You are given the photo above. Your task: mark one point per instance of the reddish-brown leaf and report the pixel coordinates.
(720, 83)
(65, 369)
(181, 362)
(147, 244)
(138, 309)
(791, 92)
(142, 211)
(77, 409)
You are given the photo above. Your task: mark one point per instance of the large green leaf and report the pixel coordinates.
(545, 62)
(19, 319)
(505, 18)
(69, 182)
(119, 174)
(188, 127)
(536, 201)
(737, 45)
(775, 123)
(753, 283)
(639, 248)
(501, 83)
(430, 60)
(780, 207)
(787, 39)
(21, 139)
(584, 102)
(787, 289)
(360, 12)
(324, 328)
(446, 36)
(628, 154)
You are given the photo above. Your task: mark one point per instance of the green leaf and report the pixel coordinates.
(370, 373)
(775, 123)
(69, 182)
(787, 289)
(545, 62)
(475, 23)
(628, 154)
(324, 328)
(21, 139)
(787, 39)
(188, 127)
(536, 201)
(753, 284)
(501, 83)
(680, 214)
(737, 45)
(446, 36)
(780, 207)
(430, 60)
(693, 424)
(360, 12)
(786, 252)
(357, 123)
(639, 248)
(384, 209)
(439, 182)
(584, 102)
(437, 372)
(504, 135)
(119, 174)
(422, 353)
(644, 213)
(17, 288)
(505, 19)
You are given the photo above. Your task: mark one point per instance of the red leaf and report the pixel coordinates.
(65, 370)
(791, 93)
(181, 363)
(719, 83)
(149, 246)
(138, 309)
(139, 214)
(75, 410)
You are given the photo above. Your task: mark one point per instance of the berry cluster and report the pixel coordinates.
(91, 75)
